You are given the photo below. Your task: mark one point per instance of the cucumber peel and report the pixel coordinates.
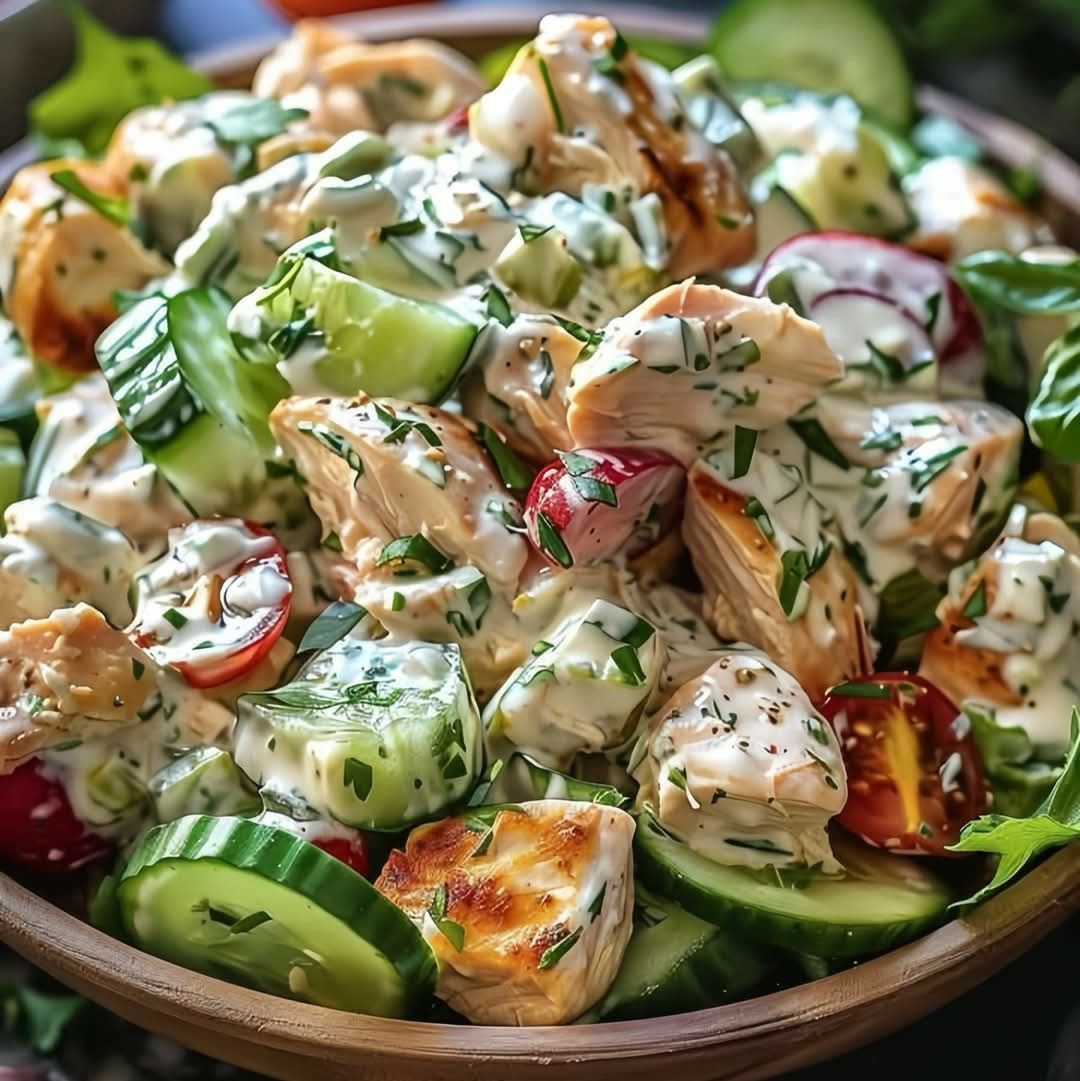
(255, 905)
(880, 902)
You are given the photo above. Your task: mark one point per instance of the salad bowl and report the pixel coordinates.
(758, 1038)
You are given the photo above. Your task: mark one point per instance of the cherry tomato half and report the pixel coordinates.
(352, 851)
(914, 775)
(39, 829)
(214, 605)
(592, 503)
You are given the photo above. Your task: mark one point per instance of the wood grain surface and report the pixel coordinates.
(747, 1041)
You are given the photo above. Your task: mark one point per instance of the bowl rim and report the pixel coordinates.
(755, 1038)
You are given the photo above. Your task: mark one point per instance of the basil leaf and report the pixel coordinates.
(1053, 417)
(1017, 841)
(110, 77)
(1019, 285)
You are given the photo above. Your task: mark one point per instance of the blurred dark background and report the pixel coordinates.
(1020, 58)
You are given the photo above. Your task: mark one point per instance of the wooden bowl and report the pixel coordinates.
(759, 1038)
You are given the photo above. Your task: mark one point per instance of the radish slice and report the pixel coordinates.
(594, 504)
(868, 330)
(822, 262)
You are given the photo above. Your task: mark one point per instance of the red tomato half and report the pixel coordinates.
(213, 610)
(38, 828)
(914, 775)
(594, 503)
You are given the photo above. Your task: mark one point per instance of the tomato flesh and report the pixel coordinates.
(186, 618)
(914, 775)
(40, 831)
(352, 851)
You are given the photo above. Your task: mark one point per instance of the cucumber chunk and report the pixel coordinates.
(331, 333)
(676, 962)
(713, 111)
(203, 433)
(375, 736)
(204, 781)
(254, 905)
(832, 45)
(880, 902)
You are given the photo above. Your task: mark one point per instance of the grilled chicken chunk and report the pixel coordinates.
(52, 557)
(578, 107)
(380, 470)
(69, 675)
(61, 261)
(94, 467)
(690, 361)
(934, 476)
(347, 84)
(528, 917)
(1006, 641)
(741, 767)
(773, 575)
(519, 385)
(960, 208)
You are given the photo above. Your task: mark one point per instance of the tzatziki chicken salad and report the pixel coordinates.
(572, 539)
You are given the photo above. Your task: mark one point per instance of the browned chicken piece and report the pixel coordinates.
(67, 676)
(379, 470)
(692, 360)
(347, 84)
(1006, 640)
(61, 261)
(823, 640)
(528, 917)
(576, 107)
(519, 386)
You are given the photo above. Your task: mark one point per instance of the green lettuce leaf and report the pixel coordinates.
(1053, 417)
(1018, 841)
(1020, 285)
(110, 77)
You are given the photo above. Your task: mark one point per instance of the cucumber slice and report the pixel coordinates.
(252, 904)
(376, 736)
(12, 467)
(713, 111)
(204, 781)
(832, 45)
(204, 445)
(880, 902)
(676, 962)
(330, 332)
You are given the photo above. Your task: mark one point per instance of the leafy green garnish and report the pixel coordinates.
(860, 690)
(453, 931)
(331, 625)
(553, 99)
(745, 441)
(358, 776)
(1019, 285)
(551, 541)
(819, 442)
(111, 207)
(514, 471)
(37, 1017)
(415, 548)
(580, 467)
(555, 953)
(1053, 417)
(110, 77)
(1018, 841)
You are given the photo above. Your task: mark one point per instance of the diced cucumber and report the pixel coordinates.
(713, 111)
(854, 189)
(541, 268)
(252, 904)
(204, 781)
(676, 962)
(20, 386)
(880, 901)
(328, 331)
(189, 400)
(837, 45)
(12, 466)
(376, 736)
(522, 778)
